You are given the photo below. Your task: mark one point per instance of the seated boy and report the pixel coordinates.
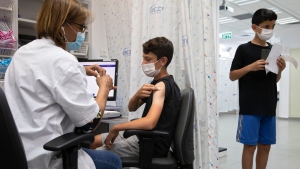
(162, 98)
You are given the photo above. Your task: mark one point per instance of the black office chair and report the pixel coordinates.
(182, 154)
(12, 147)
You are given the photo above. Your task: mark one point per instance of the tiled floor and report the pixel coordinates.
(283, 155)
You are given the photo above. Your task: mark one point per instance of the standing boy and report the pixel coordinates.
(162, 98)
(257, 92)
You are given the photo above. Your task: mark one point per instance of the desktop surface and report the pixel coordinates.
(109, 107)
(114, 121)
(110, 114)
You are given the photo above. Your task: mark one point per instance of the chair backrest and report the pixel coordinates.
(183, 140)
(12, 150)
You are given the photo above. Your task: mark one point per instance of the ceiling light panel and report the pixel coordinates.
(276, 10)
(287, 20)
(224, 20)
(243, 2)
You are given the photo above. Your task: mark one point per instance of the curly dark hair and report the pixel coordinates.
(161, 47)
(262, 15)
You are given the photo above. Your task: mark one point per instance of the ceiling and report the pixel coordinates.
(287, 34)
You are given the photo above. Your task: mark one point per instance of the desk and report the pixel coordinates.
(107, 124)
(114, 121)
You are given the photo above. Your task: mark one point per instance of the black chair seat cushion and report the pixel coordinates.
(165, 162)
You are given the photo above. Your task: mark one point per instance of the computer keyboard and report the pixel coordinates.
(111, 114)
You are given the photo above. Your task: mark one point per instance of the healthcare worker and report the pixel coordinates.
(46, 87)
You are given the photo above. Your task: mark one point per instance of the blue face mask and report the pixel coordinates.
(78, 42)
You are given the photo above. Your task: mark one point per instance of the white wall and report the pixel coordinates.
(289, 37)
(294, 86)
(283, 103)
(289, 95)
(98, 40)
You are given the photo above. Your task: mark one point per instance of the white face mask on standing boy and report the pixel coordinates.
(265, 34)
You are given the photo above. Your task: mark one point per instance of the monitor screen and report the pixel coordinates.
(111, 68)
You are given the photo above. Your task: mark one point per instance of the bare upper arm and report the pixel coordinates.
(157, 103)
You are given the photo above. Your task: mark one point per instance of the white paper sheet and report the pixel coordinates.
(275, 52)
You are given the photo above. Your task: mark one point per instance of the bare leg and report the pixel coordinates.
(262, 155)
(247, 157)
(97, 142)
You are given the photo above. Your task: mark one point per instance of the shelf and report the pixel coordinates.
(5, 12)
(81, 56)
(6, 5)
(7, 48)
(2, 83)
(5, 9)
(7, 52)
(78, 54)
(26, 23)
(6, 56)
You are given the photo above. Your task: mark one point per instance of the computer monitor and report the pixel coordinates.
(111, 68)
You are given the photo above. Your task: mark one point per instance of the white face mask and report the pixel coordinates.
(149, 69)
(265, 34)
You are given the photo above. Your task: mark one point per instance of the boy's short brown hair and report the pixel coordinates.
(161, 47)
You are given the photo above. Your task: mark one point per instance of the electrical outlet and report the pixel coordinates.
(103, 53)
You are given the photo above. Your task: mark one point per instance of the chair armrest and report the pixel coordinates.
(143, 133)
(146, 144)
(68, 140)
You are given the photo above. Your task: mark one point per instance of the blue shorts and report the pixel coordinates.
(253, 129)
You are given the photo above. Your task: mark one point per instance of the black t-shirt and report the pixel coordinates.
(168, 118)
(257, 90)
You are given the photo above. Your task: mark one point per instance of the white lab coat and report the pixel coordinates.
(47, 93)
